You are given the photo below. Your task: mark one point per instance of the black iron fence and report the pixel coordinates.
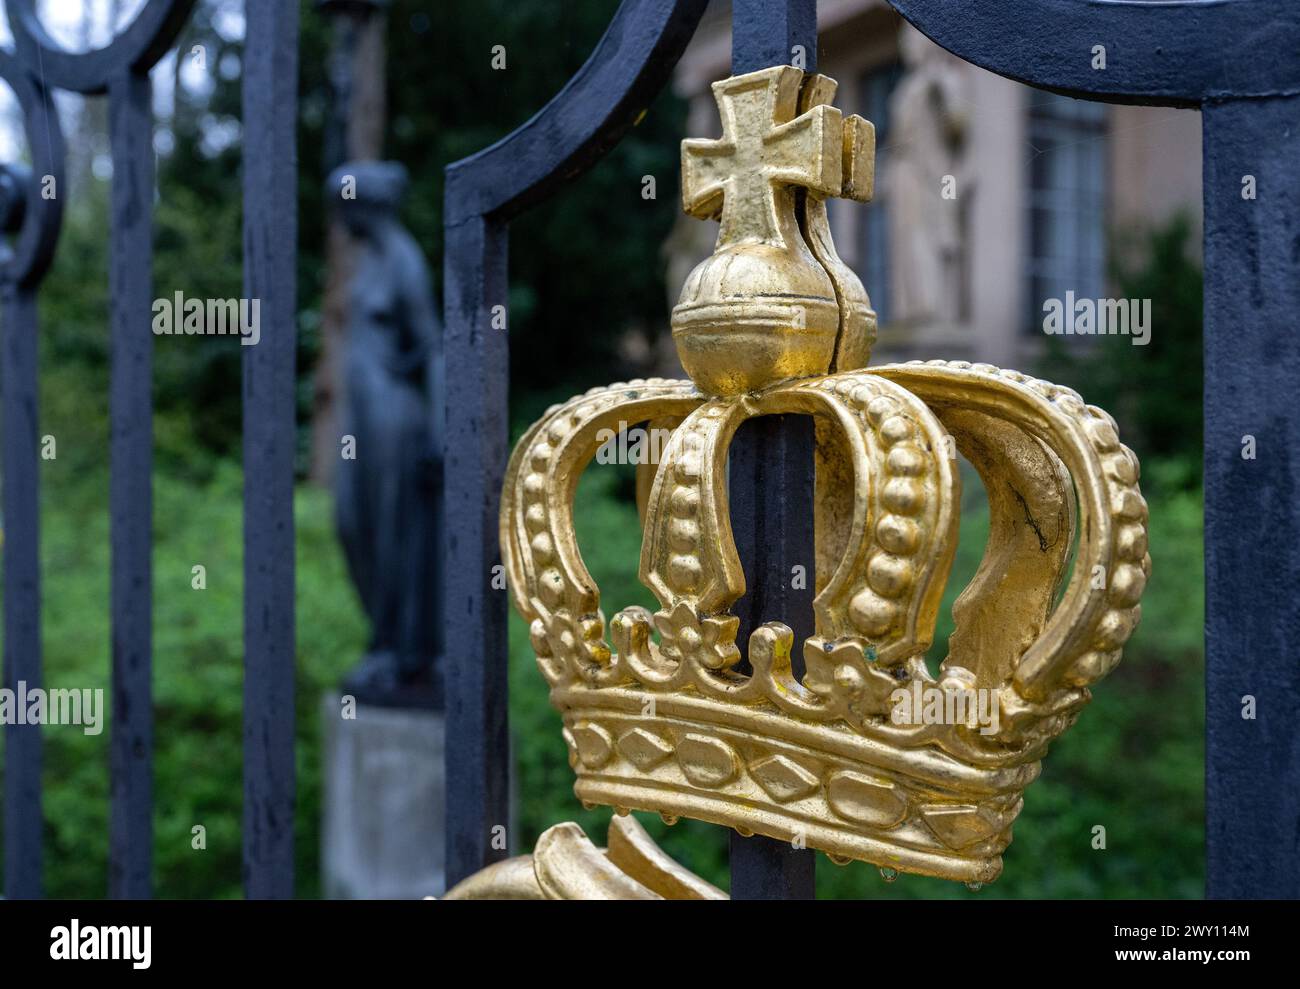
(120, 72)
(1236, 61)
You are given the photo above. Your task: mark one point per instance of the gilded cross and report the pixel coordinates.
(748, 176)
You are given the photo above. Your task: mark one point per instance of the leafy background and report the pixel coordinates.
(583, 267)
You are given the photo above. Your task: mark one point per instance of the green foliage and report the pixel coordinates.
(583, 266)
(198, 676)
(1154, 391)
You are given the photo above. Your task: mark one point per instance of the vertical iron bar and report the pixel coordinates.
(771, 480)
(477, 361)
(270, 101)
(1252, 504)
(765, 33)
(130, 488)
(22, 591)
(605, 97)
(771, 490)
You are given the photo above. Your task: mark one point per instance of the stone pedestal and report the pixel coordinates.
(382, 836)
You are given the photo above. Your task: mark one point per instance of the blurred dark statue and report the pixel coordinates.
(389, 481)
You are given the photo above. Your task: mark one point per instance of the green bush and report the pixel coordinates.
(198, 677)
(1154, 391)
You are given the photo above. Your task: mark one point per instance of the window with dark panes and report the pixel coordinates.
(1066, 205)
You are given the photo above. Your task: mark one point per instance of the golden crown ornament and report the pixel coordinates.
(658, 718)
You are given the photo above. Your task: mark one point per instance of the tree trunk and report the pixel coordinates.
(365, 123)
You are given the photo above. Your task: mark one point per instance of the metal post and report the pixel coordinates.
(130, 861)
(270, 256)
(1252, 506)
(477, 356)
(22, 601)
(771, 479)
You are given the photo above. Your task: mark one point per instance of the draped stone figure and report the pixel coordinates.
(389, 480)
(926, 208)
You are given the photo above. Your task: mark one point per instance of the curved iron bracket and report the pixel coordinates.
(28, 255)
(1177, 53)
(631, 64)
(137, 47)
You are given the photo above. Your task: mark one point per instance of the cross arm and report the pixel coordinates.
(703, 177)
(807, 152)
